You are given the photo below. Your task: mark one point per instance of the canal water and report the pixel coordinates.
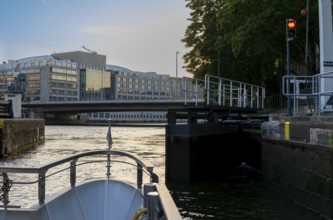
(239, 195)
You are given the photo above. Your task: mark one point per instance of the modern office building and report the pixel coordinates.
(94, 80)
(68, 76)
(77, 75)
(48, 79)
(133, 85)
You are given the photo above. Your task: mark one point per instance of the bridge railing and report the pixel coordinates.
(225, 92)
(193, 90)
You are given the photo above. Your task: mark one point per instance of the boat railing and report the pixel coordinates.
(142, 167)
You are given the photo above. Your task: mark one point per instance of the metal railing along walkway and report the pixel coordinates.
(224, 92)
(211, 91)
(309, 94)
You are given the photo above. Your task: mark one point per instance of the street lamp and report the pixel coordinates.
(177, 73)
(218, 52)
(177, 64)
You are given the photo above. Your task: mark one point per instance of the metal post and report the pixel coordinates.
(218, 63)
(147, 188)
(218, 50)
(41, 187)
(139, 176)
(5, 191)
(306, 38)
(288, 74)
(177, 64)
(73, 172)
(177, 74)
(288, 81)
(154, 207)
(219, 90)
(109, 139)
(207, 88)
(231, 95)
(184, 88)
(196, 92)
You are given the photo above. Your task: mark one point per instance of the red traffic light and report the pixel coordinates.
(291, 29)
(291, 24)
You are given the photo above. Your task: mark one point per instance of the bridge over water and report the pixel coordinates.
(212, 92)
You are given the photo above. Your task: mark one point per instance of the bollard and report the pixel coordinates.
(147, 188)
(154, 207)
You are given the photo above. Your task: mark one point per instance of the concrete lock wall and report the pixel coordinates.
(201, 152)
(297, 160)
(18, 135)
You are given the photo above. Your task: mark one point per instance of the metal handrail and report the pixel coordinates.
(238, 94)
(225, 91)
(316, 90)
(41, 171)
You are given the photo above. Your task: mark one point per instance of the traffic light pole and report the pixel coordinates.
(288, 82)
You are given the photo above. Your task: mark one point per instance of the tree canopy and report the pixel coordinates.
(248, 39)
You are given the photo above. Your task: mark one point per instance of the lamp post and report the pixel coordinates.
(177, 73)
(218, 52)
(177, 64)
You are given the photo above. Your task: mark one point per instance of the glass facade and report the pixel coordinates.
(48, 79)
(63, 79)
(95, 84)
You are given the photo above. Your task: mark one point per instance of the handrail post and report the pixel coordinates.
(73, 172)
(208, 89)
(224, 95)
(231, 94)
(108, 166)
(251, 96)
(41, 187)
(6, 190)
(196, 92)
(184, 88)
(219, 91)
(258, 97)
(139, 176)
(263, 98)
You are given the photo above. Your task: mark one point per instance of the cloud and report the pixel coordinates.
(46, 3)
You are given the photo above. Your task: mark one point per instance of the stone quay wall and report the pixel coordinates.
(18, 135)
(297, 160)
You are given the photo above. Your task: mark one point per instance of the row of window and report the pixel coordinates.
(63, 78)
(63, 92)
(130, 81)
(41, 63)
(122, 115)
(130, 97)
(65, 71)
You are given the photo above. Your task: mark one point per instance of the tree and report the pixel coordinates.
(251, 38)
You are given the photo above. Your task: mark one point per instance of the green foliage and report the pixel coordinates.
(250, 37)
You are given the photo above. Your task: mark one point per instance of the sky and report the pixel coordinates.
(141, 35)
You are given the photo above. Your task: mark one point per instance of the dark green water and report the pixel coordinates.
(240, 195)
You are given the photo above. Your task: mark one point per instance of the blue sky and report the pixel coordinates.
(141, 35)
